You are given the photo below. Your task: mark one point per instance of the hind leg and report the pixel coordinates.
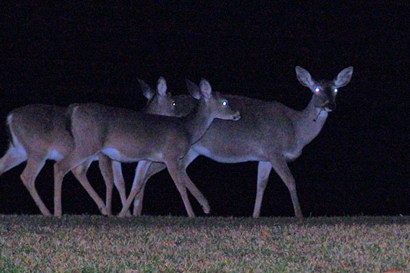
(29, 175)
(11, 159)
(14, 157)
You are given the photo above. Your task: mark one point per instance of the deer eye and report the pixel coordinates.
(335, 90)
(224, 102)
(317, 89)
(174, 103)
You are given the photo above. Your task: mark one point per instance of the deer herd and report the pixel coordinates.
(169, 132)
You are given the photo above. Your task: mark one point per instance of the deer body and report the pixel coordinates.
(268, 132)
(276, 129)
(128, 136)
(38, 133)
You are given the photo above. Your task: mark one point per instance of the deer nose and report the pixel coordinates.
(236, 116)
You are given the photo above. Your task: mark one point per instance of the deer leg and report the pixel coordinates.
(282, 169)
(264, 169)
(140, 172)
(58, 183)
(80, 172)
(177, 173)
(28, 176)
(11, 159)
(195, 192)
(138, 201)
(63, 166)
(185, 161)
(156, 168)
(119, 182)
(105, 165)
(137, 208)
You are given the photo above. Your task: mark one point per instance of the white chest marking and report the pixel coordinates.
(54, 155)
(116, 155)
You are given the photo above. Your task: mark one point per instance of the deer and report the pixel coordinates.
(128, 136)
(38, 132)
(268, 132)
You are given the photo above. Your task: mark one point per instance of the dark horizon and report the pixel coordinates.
(85, 52)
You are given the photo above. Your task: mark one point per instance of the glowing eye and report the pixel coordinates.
(174, 103)
(317, 89)
(335, 90)
(224, 102)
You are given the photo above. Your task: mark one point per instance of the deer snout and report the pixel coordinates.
(236, 116)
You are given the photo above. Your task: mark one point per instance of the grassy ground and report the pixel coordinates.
(180, 244)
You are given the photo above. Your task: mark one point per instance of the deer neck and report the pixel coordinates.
(309, 123)
(198, 122)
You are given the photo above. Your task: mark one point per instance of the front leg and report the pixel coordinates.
(185, 161)
(119, 182)
(281, 168)
(105, 165)
(264, 169)
(179, 177)
(80, 173)
(140, 173)
(138, 201)
(156, 168)
(62, 167)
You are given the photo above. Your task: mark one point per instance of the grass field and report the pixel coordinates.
(180, 244)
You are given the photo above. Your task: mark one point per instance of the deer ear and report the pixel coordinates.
(344, 77)
(304, 77)
(162, 87)
(193, 89)
(206, 89)
(146, 90)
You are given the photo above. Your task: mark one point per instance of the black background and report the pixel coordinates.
(94, 52)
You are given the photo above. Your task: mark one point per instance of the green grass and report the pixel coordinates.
(180, 244)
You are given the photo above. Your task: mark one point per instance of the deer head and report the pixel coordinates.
(324, 92)
(214, 102)
(160, 101)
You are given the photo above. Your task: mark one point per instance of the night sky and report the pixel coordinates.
(88, 52)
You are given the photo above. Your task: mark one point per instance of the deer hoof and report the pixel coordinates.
(207, 209)
(122, 214)
(104, 211)
(299, 215)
